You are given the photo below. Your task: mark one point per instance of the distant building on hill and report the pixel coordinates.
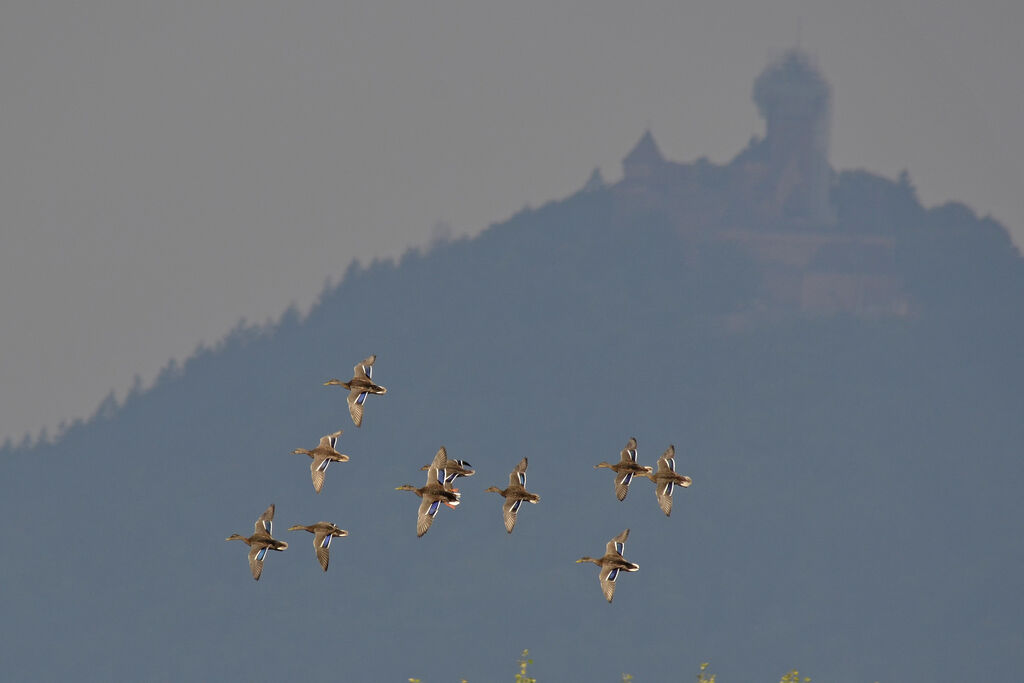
(644, 161)
(773, 201)
(795, 102)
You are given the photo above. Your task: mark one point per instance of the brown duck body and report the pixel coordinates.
(625, 469)
(260, 542)
(323, 455)
(454, 469)
(433, 493)
(323, 533)
(666, 479)
(611, 563)
(514, 495)
(359, 387)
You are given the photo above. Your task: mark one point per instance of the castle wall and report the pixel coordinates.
(824, 273)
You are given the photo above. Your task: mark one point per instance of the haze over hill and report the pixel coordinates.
(171, 168)
(837, 366)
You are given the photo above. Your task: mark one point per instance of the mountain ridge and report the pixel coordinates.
(818, 445)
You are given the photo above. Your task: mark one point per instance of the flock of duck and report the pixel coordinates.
(442, 473)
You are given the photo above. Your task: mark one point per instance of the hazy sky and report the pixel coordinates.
(169, 168)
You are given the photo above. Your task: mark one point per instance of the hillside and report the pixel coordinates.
(855, 509)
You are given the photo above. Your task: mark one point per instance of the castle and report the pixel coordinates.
(773, 201)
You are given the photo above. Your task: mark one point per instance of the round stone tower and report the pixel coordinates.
(795, 101)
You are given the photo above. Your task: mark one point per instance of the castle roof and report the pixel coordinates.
(645, 152)
(791, 81)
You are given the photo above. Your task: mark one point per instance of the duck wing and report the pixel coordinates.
(667, 461)
(428, 508)
(256, 555)
(440, 458)
(318, 470)
(322, 544)
(663, 490)
(617, 544)
(518, 475)
(436, 472)
(364, 368)
(356, 399)
(329, 442)
(265, 522)
(435, 476)
(607, 577)
(510, 510)
(629, 453)
(622, 480)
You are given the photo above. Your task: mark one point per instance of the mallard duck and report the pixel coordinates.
(453, 470)
(359, 387)
(611, 564)
(625, 469)
(433, 494)
(449, 470)
(323, 455)
(322, 532)
(514, 495)
(260, 541)
(665, 479)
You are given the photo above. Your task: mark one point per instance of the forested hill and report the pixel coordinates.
(855, 511)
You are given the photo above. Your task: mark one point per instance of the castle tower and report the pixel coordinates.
(795, 101)
(644, 161)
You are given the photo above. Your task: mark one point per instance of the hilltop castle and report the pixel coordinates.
(773, 201)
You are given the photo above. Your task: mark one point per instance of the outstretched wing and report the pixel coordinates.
(436, 473)
(440, 458)
(667, 461)
(663, 490)
(265, 522)
(356, 399)
(318, 468)
(330, 441)
(256, 555)
(622, 484)
(510, 510)
(617, 544)
(607, 578)
(364, 368)
(426, 515)
(322, 545)
(518, 475)
(629, 453)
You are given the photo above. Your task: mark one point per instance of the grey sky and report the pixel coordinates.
(169, 168)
